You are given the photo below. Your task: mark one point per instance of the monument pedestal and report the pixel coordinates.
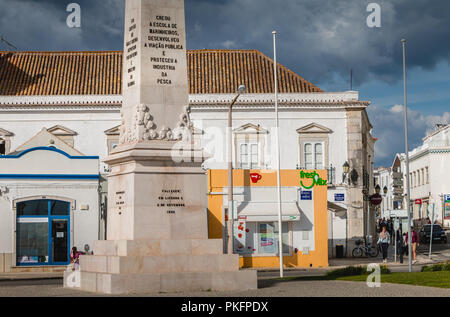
(157, 224)
(157, 228)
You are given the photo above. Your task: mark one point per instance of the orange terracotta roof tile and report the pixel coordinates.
(100, 73)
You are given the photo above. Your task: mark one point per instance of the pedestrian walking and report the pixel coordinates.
(384, 240)
(414, 243)
(390, 228)
(400, 239)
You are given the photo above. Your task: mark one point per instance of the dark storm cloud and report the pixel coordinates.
(320, 40)
(41, 25)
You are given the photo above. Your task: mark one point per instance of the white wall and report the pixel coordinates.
(90, 127)
(6, 231)
(289, 138)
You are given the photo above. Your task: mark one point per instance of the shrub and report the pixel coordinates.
(437, 267)
(384, 269)
(347, 271)
(354, 271)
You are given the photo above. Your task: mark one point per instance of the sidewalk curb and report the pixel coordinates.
(336, 267)
(28, 279)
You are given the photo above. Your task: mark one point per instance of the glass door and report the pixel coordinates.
(60, 250)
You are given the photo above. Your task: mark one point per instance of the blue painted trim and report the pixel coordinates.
(44, 176)
(51, 149)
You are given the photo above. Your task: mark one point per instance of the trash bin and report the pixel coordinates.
(339, 251)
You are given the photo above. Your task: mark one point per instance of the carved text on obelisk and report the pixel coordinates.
(163, 38)
(131, 53)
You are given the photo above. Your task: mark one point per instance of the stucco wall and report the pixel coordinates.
(89, 126)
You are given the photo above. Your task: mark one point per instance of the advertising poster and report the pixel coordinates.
(267, 238)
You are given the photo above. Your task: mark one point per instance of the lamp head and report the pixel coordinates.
(242, 89)
(377, 189)
(385, 190)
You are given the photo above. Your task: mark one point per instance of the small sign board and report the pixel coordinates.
(376, 199)
(306, 195)
(419, 202)
(447, 198)
(339, 197)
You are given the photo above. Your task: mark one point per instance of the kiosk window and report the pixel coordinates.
(268, 238)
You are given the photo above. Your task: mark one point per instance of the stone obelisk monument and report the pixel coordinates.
(157, 236)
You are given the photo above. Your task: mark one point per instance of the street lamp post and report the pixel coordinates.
(408, 189)
(230, 220)
(277, 128)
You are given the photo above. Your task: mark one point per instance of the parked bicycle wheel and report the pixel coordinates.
(357, 252)
(373, 252)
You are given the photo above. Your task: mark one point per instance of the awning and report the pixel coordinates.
(340, 211)
(267, 211)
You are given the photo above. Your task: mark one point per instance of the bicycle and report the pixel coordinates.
(367, 249)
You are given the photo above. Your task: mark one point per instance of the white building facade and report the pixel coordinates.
(76, 97)
(49, 202)
(390, 179)
(430, 177)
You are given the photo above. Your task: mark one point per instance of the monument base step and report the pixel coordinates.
(158, 247)
(159, 264)
(119, 284)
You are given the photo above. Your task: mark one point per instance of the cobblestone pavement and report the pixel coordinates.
(267, 288)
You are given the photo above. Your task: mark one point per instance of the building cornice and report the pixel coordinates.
(60, 100)
(426, 151)
(339, 100)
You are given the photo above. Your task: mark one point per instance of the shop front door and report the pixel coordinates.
(43, 232)
(60, 249)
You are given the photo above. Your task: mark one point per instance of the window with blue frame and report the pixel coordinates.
(42, 232)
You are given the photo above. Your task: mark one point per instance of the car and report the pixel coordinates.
(438, 234)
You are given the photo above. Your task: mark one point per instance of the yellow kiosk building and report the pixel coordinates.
(255, 216)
